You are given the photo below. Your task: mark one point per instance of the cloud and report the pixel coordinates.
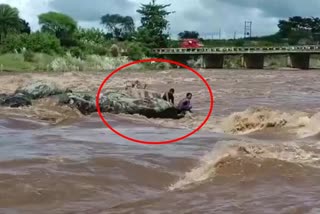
(208, 17)
(280, 8)
(92, 10)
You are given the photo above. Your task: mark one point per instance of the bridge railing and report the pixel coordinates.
(309, 48)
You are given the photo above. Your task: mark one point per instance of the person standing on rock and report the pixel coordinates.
(185, 104)
(168, 96)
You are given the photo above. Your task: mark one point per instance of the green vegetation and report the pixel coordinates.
(62, 45)
(152, 31)
(9, 20)
(188, 35)
(121, 27)
(59, 25)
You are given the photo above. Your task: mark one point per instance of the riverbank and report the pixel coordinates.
(40, 62)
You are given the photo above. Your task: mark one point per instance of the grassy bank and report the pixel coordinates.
(43, 62)
(40, 62)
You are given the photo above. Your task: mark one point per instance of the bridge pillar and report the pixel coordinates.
(182, 58)
(213, 61)
(300, 60)
(253, 61)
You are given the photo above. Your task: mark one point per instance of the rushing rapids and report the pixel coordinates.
(258, 153)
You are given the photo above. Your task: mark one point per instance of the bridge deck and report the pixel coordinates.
(240, 50)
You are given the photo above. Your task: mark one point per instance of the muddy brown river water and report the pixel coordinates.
(258, 153)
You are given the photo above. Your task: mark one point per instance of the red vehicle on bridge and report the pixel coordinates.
(191, 43)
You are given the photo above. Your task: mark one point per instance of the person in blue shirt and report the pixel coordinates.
(185, 104)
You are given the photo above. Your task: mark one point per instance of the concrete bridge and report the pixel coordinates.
(252, 57)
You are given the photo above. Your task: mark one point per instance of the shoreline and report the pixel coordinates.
(146, 70)
(15, 62)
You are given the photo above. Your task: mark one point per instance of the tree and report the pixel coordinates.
(297, 27)
(153, 30)
(121, 27)
(188, 35)
(92, 34)
(9, 20)
(59, 24)
(35, 42)
(24, 27)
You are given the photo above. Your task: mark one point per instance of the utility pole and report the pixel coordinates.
(219, 33)
(235, 35)
(247, 29)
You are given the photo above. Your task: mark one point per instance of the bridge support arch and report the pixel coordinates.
(300, 60)
(182, 58)
(213, 61)
(253, 61)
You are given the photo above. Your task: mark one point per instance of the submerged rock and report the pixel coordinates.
(85, 103)
(3, 97)
(15, 101)
(39, 89)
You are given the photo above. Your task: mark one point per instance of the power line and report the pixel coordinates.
(247, 29)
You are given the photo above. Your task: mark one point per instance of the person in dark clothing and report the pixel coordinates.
(185, 104)
(168, 96)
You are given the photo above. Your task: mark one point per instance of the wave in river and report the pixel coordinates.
(299, 124)
(229, 158)
(46, 110)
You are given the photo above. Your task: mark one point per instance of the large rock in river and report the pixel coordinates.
(151, 107)
(130, 101)
(84, 102)
(39, 89)
(141, 93)
(120, 102)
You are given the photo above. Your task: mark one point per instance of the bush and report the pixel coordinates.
(101, 51)
(115, 50)
(76, 52)
(92, 48)
(28, 56)
(66, 63)
(42, 61)
(35, 42)
(93, 34)
(135, 51)
(91, 63)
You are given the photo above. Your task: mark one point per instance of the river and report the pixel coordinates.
(258, 153)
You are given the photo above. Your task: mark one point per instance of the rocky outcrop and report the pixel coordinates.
(14, 101)
(150, 107)
(129, 101)
(39, 89)
(141, 93)
(85, 103)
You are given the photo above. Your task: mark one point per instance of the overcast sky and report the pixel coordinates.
(204, 16)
